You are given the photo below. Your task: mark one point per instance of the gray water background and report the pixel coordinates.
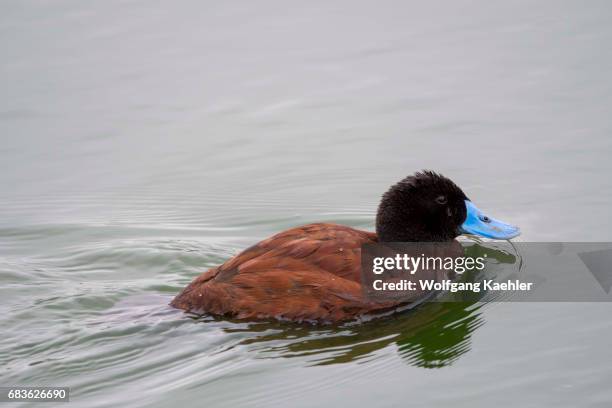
(143, 142)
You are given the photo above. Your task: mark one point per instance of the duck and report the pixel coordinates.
(312, 273)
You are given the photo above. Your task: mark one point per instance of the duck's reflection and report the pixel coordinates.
(432, 335)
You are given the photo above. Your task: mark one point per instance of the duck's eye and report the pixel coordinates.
(441, 199)
(484, 218)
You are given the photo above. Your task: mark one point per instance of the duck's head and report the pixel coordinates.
(429, 207)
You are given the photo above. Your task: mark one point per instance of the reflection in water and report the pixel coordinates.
(432, 335)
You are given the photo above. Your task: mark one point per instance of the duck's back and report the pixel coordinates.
(309, 273)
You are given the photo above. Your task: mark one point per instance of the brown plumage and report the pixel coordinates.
(308, 273)
(312, 273)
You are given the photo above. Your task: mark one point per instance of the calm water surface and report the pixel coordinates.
(143, 142)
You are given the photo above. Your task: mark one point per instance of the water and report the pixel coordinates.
(144, 142)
